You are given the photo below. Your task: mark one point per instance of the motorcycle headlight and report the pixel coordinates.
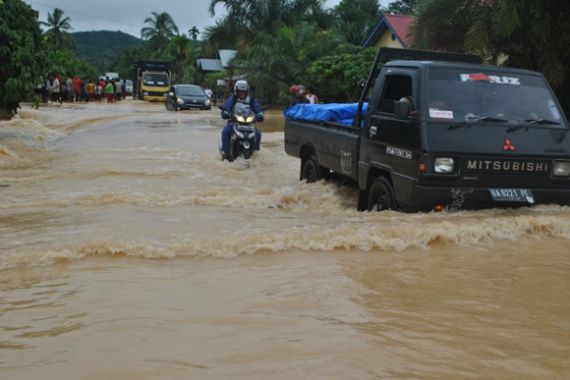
(561, 169)
(444, 165)
(180, 101)
(240, 119)
(250, 119)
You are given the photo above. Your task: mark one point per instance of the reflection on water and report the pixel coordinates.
(125, 239)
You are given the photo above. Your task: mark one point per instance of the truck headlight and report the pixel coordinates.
(561, 169)
(179, 100)
(444, 165)
(145, 93)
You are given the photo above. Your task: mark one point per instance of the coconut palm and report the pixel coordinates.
(182, 55)
(275, 61)
(58, 27)
(193, 33)
(528, 34)
(246, 18)
(355, 18)
(161, 27)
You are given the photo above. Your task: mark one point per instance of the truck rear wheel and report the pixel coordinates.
(310, 169)
(381, 195)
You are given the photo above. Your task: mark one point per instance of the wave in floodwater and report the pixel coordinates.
(317, 217)
(363, 232)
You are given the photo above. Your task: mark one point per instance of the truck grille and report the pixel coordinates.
(155, 93)
(506, 166)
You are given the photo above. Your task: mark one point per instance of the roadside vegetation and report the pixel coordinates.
(285, 42)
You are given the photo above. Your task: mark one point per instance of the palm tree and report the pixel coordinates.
(275, 61)
(246, 18)
(528, 34)
(58, 26)
(193, 33)
(161, 27)
(181, 53)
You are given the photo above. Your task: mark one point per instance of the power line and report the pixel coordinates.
(82, 14)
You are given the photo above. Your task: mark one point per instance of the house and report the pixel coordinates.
(391, 31)
(212, 65)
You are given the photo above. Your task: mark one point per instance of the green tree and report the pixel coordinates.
(58, 28)
(182, 55)
(160, 30)
(402, 7)
(274, 62)
(66, 63)
(247, 18)
(20, 54)
(340, 77)
(443, 24)
(123, 64)
(529, 34)
(355, 18)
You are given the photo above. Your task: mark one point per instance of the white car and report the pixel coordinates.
(129, 87)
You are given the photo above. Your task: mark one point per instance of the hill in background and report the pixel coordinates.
(101, 48)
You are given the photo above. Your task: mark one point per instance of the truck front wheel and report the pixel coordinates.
(381, 195)
(310, 169)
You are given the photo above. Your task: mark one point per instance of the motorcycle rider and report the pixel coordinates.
(241, 102)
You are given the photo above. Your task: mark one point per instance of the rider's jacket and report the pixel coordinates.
(236, 105)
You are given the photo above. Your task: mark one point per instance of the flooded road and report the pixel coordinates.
(128, 250)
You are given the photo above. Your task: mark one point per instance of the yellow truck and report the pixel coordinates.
(152, 80)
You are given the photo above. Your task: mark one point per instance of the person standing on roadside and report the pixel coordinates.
(77, 88)
(70, 91)
(110, 92)
(56, 90)
(90, 89)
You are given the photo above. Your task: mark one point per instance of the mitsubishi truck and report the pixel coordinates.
(152, 80)
(435, 131)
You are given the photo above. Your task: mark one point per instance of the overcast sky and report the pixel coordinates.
(129, 15)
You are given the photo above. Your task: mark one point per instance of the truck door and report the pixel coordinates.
(388, 143)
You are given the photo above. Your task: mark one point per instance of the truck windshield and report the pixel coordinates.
(456, 95)
(155, 79)
(190, 91)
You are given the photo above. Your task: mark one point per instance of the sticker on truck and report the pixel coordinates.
(481, 77)
(435, 113)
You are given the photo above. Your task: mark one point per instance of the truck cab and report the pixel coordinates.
(447, 133)
(152, 80)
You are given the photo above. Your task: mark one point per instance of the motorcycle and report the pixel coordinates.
(243, 139)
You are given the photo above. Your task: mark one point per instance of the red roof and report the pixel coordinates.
(402, 25)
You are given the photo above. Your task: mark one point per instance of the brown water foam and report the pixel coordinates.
(397, 234)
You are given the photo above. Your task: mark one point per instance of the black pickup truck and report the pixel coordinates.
(443, 131)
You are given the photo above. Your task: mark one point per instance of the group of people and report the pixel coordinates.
(57, 90)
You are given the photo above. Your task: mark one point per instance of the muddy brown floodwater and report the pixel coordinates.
(128, 250)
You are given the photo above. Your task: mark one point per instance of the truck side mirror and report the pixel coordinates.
(402, 110)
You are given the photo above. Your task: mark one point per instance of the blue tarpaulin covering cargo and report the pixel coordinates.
(342, 113)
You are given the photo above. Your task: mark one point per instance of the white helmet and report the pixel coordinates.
(241, 85)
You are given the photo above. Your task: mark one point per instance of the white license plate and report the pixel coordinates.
(512, 195)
